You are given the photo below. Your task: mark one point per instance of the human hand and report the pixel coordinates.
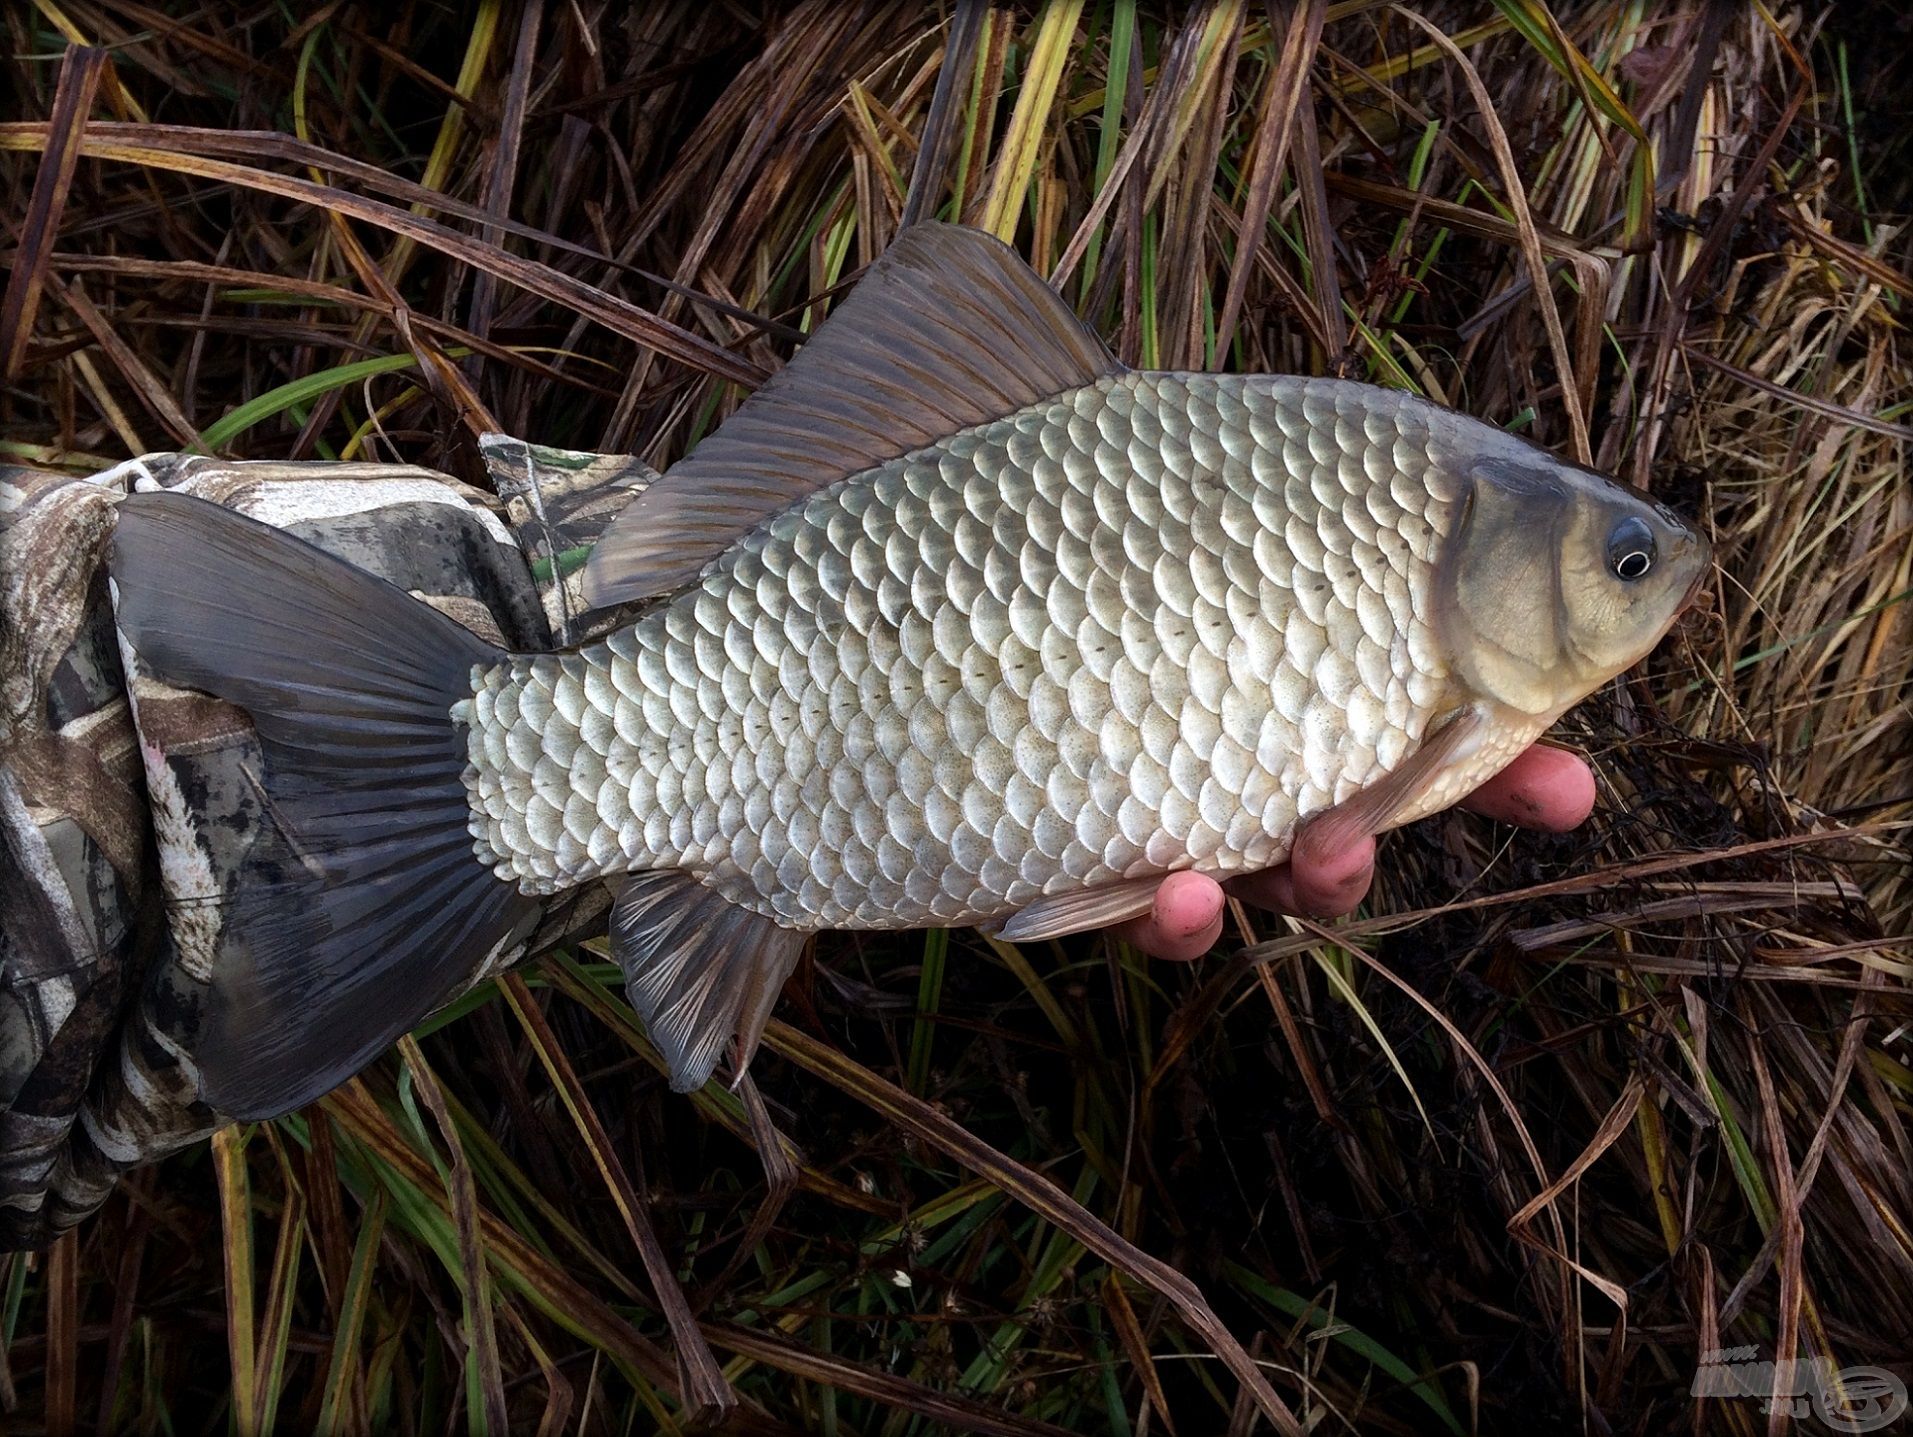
(1544, 788)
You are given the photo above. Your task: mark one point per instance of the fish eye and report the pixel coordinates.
(1630, 550)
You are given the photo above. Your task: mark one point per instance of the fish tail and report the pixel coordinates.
(362, 904)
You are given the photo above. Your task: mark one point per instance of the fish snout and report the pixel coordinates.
(1693, 555)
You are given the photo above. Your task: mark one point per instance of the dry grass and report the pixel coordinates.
(1505, 1157)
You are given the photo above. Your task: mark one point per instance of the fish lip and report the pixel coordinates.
(1693, 597)
(1695, 605)
(1698, 551)
(1697, 590)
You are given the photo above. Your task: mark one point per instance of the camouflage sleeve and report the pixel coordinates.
(126, 806)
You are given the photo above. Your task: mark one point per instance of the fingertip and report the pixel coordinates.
(1545, 788)
(1184, 922)
(1327, 884)
(1187, 903)
(1573, 792)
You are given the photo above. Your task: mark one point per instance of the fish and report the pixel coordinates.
(956, 621)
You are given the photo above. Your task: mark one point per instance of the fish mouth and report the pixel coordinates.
(1696, 550)
(1699, 599)
(1696, 608)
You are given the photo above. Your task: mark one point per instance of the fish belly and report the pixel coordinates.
(1149, 624)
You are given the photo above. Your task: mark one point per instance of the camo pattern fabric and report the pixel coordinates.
(126, 807)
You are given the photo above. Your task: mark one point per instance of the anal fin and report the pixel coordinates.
(702, 972)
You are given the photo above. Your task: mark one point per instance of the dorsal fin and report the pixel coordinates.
(949, 328)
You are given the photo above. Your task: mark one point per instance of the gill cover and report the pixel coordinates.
(1555, 579)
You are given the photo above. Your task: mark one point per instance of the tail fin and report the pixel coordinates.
(362, 904)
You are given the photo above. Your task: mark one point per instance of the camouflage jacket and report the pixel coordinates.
(125, 808)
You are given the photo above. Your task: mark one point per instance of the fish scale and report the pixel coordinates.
(1148, 624)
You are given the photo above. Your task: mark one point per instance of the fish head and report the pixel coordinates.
(1554, 579)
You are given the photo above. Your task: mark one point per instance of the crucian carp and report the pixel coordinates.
(956, 621)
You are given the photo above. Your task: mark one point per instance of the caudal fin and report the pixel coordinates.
(362, 904)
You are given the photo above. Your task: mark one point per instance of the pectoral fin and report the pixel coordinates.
(1375, 808)
(1359, 816)
(1081, 909)
(701, 971)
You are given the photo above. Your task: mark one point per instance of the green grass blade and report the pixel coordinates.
(304, 390)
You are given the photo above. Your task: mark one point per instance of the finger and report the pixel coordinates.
(1329, 889)
(1326, 883)
(1183, 923)
(1271, 888)
(1546, 788)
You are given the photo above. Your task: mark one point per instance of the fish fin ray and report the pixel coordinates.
(362, 904)
(948, 329)
(702, 971)
(1375, 808)
(1081, 909)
